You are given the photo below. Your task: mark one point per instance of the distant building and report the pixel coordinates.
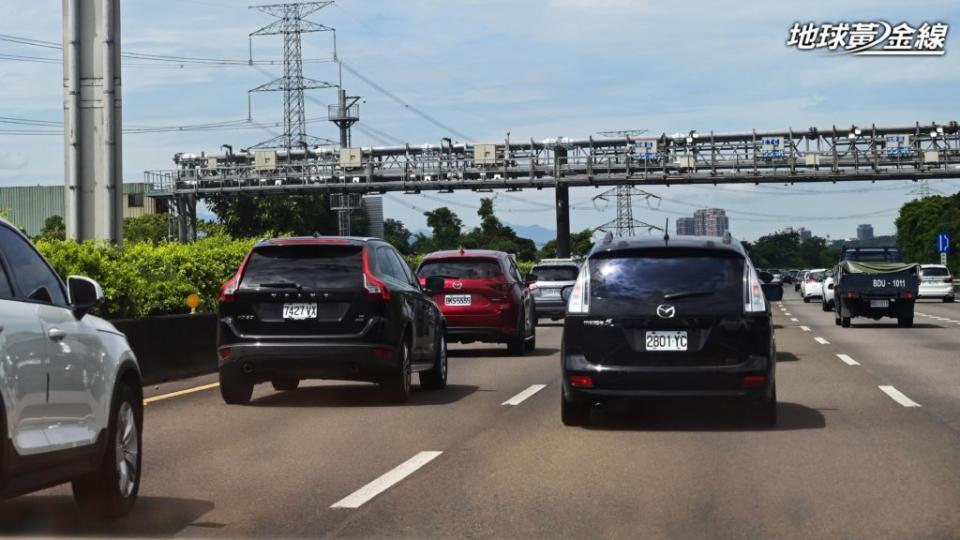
(805, 234)
(865, 232)
(710, 222)
(30, 206)
(685, 226)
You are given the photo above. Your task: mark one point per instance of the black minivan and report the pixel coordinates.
(662, 317)
(328, 308)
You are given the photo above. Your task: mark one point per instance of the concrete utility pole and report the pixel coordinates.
(92, 120)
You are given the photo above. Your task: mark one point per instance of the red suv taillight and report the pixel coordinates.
(229, 289)
(377, 291)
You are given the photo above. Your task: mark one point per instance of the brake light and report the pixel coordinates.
(948, 280)
(906, 294)
(501, 286)
(229, 289)
(810, 280)
(377, 291)
(382, 353)
(753, 381)
(225, 353)
(852, 294)
(581, 381)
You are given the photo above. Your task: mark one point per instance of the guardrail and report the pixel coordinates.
(174, 346)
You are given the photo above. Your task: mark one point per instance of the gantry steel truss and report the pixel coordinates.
(919, 152)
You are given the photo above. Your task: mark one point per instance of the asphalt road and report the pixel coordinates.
(847, 460)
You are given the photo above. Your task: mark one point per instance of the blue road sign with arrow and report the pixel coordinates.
(943, 242)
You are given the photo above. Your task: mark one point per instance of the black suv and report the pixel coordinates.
(328, 308)
(652, 317)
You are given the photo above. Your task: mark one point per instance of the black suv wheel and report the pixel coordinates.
(396, 388)
(235, 388)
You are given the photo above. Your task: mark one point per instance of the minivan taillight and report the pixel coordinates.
(377, 291)
(580, 295)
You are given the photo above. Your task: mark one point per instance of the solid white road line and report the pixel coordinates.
(519, 398)
(805, 328)
(898, 396)
(847, 360)
(821, 341)
(794, 319)
(378, 486)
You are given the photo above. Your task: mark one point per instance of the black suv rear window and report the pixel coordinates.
(669, 276)
(555, 273)
(460, 268)
(308, 266)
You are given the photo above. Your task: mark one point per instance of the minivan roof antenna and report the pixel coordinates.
(666, 231)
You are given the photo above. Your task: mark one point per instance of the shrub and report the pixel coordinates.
(148, 279)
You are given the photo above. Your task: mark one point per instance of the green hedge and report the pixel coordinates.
(146, 279)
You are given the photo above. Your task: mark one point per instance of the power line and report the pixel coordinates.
(404, 104)
(177, 59)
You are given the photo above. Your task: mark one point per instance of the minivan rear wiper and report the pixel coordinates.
(687, 294)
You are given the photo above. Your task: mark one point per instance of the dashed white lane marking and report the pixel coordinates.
(788, 314)
(519, 398)
(805, 328)
(847, 360)
(378, 486)
(821, 341)
(898, 396)
(794, 319)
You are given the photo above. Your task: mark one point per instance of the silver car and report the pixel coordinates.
(546, 280)
(72, 405)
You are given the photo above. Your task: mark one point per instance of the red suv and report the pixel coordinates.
(483, 298)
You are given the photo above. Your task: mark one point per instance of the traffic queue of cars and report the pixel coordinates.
(643, 318)
(874, 282)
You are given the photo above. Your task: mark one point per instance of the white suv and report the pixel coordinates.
(936, 282)
(812, 284)
(72, 405)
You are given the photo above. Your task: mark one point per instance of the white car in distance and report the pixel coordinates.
(812, 284)
(936, 282)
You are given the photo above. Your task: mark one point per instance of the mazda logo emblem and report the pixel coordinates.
(665, 311)
(458, 285)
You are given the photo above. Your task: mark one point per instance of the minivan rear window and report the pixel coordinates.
(672, 276)
(555, 273)
(307, 266)
(460, 268)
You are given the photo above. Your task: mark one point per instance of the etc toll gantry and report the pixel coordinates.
(918, 152)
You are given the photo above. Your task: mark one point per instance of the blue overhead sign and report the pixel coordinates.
(943, 242)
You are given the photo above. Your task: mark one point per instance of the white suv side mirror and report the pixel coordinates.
(85, 294)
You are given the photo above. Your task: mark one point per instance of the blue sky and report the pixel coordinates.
(536, 69)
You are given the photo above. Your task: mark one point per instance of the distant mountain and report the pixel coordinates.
(539, 235)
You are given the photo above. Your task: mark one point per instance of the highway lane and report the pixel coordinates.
(923, 362)
(845, 460)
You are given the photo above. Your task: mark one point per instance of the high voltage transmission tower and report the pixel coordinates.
(625, 225)
(291, 24)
